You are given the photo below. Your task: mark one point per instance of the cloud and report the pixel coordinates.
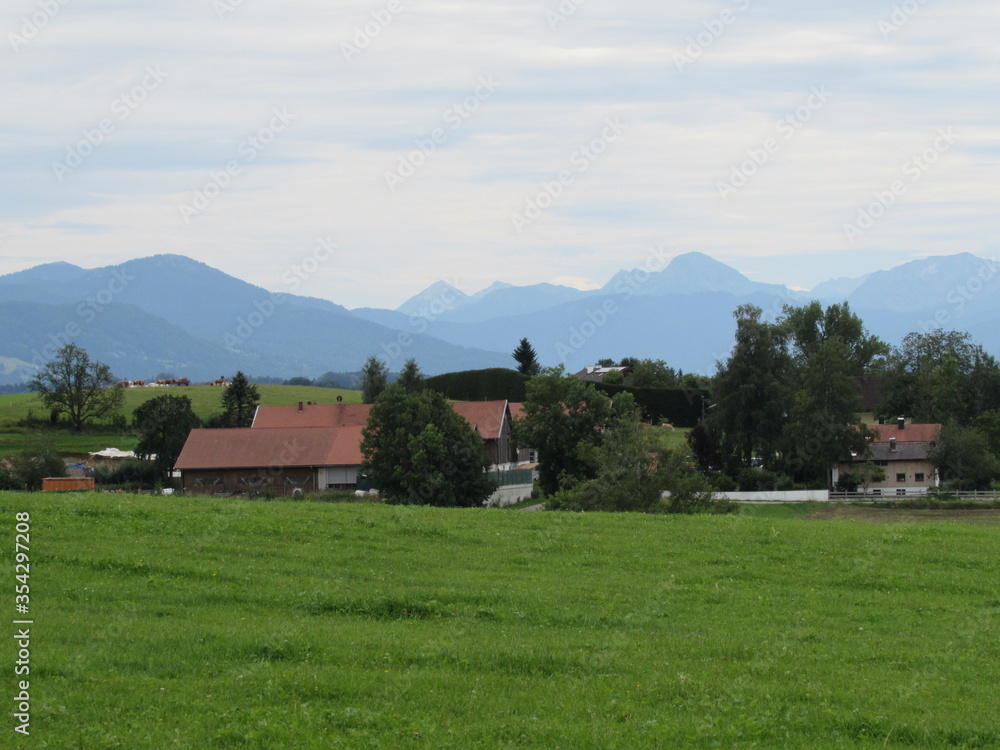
(687, 128)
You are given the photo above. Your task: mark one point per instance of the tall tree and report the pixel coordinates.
(374, 379)
(753, 390)
(418, 450)
(650, 373)
(963, 458)
(239, 402)
(824, 423)
(830, 349)
(811, 327)
(73, 385)
(411, 378)
(939, 376)
(527, 359)
(164, 424)
(560, 414)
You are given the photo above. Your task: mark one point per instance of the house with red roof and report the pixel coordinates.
(902, 450)
(310, 447)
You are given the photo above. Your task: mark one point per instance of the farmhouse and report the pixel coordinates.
(902, 450)
(279, 460)
(310, 447)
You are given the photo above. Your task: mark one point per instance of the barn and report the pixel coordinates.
(278, 461)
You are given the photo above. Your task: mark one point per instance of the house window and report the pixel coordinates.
(881, 463)
(901, 477)
(919, 478)
(901, 491)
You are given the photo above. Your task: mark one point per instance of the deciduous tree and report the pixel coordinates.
(560, 413)
(164, 424)
(80, 389)
(752, 390)
(418, 450)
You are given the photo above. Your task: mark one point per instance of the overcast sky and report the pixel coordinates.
(520, 141)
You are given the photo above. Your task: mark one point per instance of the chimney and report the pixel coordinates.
(300, 406)
(892, 445)
(901, 422)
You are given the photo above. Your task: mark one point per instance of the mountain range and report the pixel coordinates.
(169, 313)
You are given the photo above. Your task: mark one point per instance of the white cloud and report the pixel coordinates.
(325, 175)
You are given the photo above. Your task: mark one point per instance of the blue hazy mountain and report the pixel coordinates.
(171, 313)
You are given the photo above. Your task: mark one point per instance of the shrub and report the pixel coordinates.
(132, 473)
(35, 464)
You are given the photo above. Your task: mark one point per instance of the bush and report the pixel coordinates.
(131, 474)
(723, 483)
(7, 481)
(35, 464)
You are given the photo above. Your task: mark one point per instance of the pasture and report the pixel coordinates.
(220, 623)
(205, 401)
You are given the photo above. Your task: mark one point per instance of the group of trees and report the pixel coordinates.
(788, 398)
(596, 453)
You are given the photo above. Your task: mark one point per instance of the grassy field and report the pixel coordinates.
(204, 399)
(207, 623)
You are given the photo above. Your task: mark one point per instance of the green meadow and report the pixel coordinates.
(219, 623)
(205, 400)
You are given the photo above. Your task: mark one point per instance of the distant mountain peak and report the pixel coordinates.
(494, 287)
(435, 300)
(56, 271)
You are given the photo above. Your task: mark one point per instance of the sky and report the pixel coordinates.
(372, 148)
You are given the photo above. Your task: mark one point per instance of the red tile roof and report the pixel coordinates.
(254, 448)
(911, 433)
(312, 415)
(485, 416)
(516, 410)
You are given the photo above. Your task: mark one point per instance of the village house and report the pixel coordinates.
(902, 450)
(310, 447)
(596, 373)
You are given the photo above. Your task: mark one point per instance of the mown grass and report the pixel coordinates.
(205, 401)
(210, 623)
